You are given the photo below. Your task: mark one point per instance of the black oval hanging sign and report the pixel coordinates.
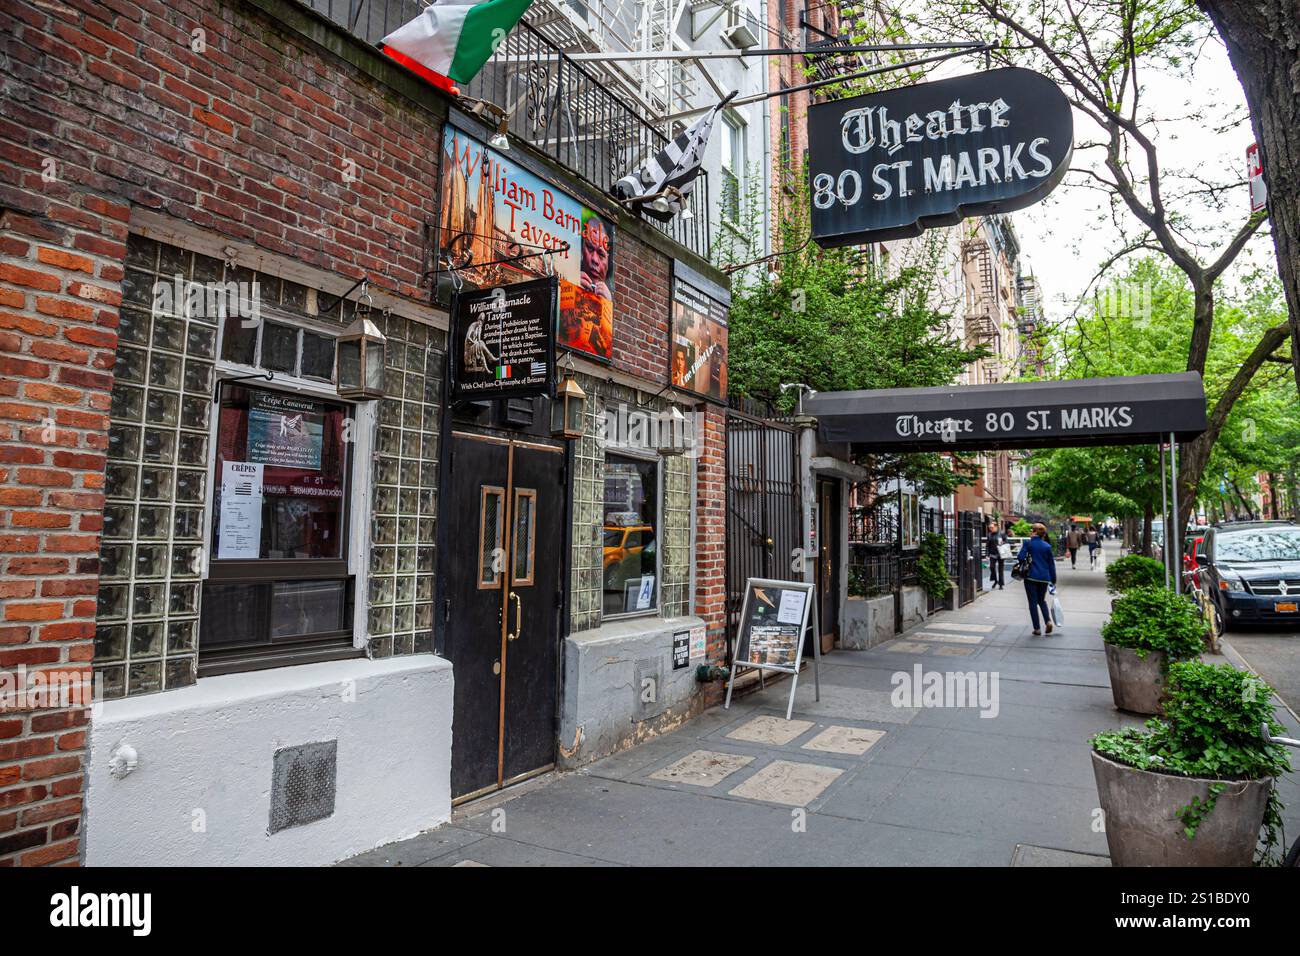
(889, 165)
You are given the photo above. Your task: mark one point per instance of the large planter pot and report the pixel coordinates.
(1143, 829)
(1136, 683)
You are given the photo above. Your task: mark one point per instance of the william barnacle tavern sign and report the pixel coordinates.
(888, 165)
(503, 340)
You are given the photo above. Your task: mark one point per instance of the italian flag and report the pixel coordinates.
(450, 40)
(503, 371)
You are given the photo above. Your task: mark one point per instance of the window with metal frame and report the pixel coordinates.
(631, 530)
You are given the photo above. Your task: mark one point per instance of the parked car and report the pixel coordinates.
(1251, 572)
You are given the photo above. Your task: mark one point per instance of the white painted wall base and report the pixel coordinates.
(200, 791)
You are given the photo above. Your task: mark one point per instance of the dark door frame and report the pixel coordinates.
(829, 565)
(533, 433)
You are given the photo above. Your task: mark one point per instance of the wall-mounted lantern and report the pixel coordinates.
(568, 409)
(360, 354)
(670, 436)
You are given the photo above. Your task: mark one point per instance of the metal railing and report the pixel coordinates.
(555, 105)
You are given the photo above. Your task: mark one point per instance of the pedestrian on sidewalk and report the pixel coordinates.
(1039, 562)
(1073, 541)
(1094, 542)
(993, 550)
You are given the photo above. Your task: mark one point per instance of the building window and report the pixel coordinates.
(911, 530)
(733, 168)
(631, 535)
(278, 589)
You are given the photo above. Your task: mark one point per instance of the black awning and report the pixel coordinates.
(1130, 410)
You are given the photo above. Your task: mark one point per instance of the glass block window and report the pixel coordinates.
(405, 490)
(151, 556)
(587, 578)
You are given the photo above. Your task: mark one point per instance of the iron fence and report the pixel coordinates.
(762, 506)
(553, 104)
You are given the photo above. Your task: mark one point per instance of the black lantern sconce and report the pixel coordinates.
(360, 356)
(670, 436)
(568, 409)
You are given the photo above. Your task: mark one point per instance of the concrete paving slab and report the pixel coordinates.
(845, 740)
(702, 768)
(984, 753)
(418, 849)
(945, 636)
(995, 810)
(766, 729)
(1028, 855)
(961, 626)
(787, 782)
(852, 704)
(906, 647)
(498, 851)
(954, 651)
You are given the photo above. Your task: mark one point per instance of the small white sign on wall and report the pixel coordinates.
(699, 643)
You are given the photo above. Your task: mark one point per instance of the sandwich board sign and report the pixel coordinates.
(774, 618)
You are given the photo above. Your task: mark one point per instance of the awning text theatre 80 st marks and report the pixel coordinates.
(1131, 410)
(888, 165)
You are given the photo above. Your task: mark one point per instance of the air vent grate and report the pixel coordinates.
(303, 782)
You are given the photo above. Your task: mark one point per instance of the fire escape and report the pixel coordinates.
(981, 319)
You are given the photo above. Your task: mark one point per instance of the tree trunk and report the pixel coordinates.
(1195, 455)
(1148, 515)
(1263, 41)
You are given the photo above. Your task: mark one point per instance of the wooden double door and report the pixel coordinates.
(502, 566)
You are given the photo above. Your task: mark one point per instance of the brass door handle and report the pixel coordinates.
(519, 618)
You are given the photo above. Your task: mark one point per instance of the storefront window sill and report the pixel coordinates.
(625, 628)
(230, 689)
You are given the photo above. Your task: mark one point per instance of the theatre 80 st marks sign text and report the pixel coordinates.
(888, 165)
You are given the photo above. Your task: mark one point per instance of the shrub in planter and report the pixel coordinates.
(1196, 787)
(1022, 529)
(1148, 628)
(1133, 571)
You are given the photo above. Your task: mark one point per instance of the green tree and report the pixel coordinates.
(1259, 434)
(834, 320)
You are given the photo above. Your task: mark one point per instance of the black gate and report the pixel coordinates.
(763, 524)
(970, 542)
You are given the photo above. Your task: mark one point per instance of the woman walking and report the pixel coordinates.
(1040, 572)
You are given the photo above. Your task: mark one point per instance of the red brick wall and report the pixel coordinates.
(642, 308)
(711, 540)
(105, 105)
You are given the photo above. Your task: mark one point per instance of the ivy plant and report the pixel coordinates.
(1211, 728)
(1133, 571)
(1153, 619)
(932, 565)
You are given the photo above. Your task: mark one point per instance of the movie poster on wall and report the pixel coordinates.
(698, 351)
(493, 209)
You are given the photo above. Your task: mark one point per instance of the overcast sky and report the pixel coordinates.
(1064, 242)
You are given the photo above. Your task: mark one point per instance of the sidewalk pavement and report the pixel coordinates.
(852, 779)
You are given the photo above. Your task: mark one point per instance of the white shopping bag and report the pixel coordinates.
(1057, 614)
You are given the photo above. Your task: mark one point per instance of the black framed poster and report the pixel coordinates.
(502, 342)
